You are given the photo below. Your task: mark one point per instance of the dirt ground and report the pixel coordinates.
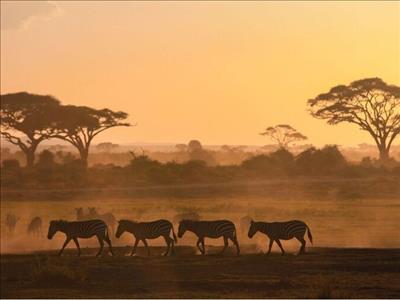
(321, 273)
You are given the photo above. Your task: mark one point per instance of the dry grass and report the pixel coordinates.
(323, 273)
(49, 272)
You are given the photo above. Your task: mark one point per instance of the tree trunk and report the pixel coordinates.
(30, 158)
(384, 154)
(84, 154)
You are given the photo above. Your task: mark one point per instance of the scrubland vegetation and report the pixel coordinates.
(63, 170)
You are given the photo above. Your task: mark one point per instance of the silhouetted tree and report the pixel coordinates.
(10, 172)
(283, 135)
(197, 152)
(328, 160)
(194, 145)
(45, 167)
(369, 103)
(78, 125)
(28, 114)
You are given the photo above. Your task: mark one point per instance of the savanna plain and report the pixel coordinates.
(355, 251)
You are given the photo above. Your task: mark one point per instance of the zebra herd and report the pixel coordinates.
(34, 227)
(142, 231)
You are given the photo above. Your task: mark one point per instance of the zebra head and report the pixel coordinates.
(253, 229)
(92, 211)
(183, 226)
(122, 227)
(53, 228)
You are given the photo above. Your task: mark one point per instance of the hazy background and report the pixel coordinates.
(219, 72)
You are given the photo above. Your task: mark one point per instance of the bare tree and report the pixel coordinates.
(369, 103)
(283, 135)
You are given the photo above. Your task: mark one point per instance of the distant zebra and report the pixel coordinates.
(80, 229)
(11, 222)
(80, 215)
(148, 230)
(108, 218)
(35, 227)
(210, 229)
(282, 231)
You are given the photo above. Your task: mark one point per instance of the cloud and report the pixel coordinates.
(18, 15)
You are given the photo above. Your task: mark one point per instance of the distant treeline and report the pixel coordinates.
(52, 172)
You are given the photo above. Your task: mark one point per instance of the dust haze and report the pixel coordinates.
(340, 223)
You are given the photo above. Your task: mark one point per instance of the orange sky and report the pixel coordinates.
(219, 72)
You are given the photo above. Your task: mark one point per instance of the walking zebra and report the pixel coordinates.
(148, 230)
(80, 229)
(277, 231)
(11, 222)
(108, 218)
(80, 215)
(210, 229)
(35, 227)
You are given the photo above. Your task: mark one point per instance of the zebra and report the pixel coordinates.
(11, 222)
(108, 218)
(210, 229)
(148, 230)
(277, 231)
(80, 229)
(80, 216)
(35, 227)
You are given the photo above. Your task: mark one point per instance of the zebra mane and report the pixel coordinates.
(61, 221)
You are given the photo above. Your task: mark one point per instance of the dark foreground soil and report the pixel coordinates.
(321, 273)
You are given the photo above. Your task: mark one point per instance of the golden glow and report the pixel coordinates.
(219, 72)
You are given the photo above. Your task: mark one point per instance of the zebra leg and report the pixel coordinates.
(167, 240)
(77, 246)
(204, 247)
(271, 241)
(280, 246)
(147, 246)
(108, 241)
(65, 244)
(225, 244)
(101, 245)
(172, 245)
(235, 241)
(198, 246)
(134, 247)
(303, 245)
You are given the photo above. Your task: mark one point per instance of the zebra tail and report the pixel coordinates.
(173, 233)
(309, 234)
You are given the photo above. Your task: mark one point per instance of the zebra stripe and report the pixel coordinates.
(148, 230)
(210, 229)
(80, 229)
(277, 231)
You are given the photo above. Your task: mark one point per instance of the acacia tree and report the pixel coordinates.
(26, 114)
(370, 103)
(78, 125)
(283, 134)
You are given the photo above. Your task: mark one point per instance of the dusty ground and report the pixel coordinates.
(322, 273)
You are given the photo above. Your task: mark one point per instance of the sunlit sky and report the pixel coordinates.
(219, 72)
